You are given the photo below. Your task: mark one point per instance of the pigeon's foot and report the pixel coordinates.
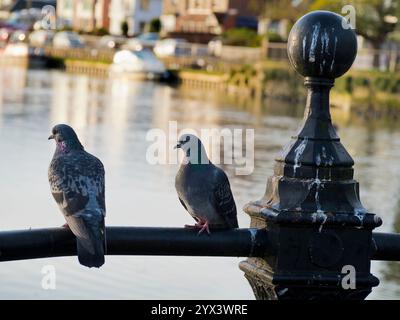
(198, 225)
(204, 227)
(192, 226)
(65, 225)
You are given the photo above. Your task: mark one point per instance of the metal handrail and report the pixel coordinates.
(56, 242)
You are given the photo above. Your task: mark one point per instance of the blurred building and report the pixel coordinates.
(280, 28)
(88, 15)
(201, 20)
(7, 7)
(136, 13)
(85, 15)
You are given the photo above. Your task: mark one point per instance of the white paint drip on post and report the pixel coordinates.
(320, 213)
(314, 39)
(324, 42)
(359, 212)
(298, 152)
(324, 49)
(323, 222)
(334, 54)
(318, 160)
(327, 160)
(319, 185)
(304, 47)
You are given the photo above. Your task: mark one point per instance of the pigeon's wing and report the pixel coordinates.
(77, 185)
(223, 200)
(183, 204)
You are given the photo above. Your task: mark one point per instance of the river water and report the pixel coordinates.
(112, 118)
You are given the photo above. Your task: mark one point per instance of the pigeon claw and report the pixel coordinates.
(191, 226)
(203, 228)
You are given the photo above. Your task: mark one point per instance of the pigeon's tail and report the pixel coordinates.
(234, 223)
(88, 258)
(89, 230)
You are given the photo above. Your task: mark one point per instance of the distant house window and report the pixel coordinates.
(195, 4)
(67, 4)
(142, 26)
(86, 4)
(144, 4)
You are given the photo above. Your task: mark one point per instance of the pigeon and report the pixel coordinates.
(203, 188)
(77, 184)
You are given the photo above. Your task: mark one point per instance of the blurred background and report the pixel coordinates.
(114, 69)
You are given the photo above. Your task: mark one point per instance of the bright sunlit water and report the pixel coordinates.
(112, 117)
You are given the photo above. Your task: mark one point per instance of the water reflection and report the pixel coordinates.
(113, 117)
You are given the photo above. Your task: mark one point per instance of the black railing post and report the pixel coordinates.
(311, 208)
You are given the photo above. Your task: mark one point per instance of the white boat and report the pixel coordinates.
(137, 63)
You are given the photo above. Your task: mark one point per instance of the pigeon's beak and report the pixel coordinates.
(51, 137)
(178, 146)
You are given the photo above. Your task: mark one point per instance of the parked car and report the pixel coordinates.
(22, 49)
(110, 42)
(5, 34)
(19, 36)
(172, 47)
(17, 45)
(215, 46)
(67, 39)
(25, 18)
(143, 41)
(138, 62)
(41, 38)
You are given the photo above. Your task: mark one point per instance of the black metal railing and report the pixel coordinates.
(55, 242)
(58, 242)
(310, 222)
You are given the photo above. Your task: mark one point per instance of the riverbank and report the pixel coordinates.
(369, 94)
(366, 93)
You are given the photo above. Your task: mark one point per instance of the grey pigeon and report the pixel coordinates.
(77, 184)
(203, 188)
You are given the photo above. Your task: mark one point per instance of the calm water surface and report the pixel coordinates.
(112, 118)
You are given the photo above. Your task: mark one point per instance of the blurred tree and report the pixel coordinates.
(241, 37)
(289, 10)
(124, 28)
(273, 36)
(100, 31)
(155, 25)
(375, 19)
(285, 9)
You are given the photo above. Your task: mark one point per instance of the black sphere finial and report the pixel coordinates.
(321, 44)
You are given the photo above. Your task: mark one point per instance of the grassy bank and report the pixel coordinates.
(371, 93)
(368, 92)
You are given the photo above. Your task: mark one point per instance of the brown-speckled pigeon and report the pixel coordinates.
(77, 184)
(203, 188)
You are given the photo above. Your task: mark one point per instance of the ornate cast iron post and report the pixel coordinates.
(311, 208)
